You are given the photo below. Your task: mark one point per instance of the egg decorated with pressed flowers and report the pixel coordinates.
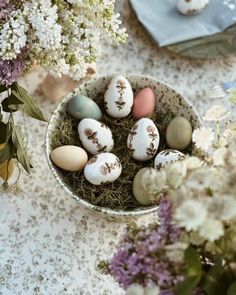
(69, 157)
(80, 107)
(95, 136)
(143, 188)
(167, 156)
(191, 7)
(179, 133)
(143, 140)
(118, 99)
(102, 169)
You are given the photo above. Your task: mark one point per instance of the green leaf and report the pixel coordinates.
(217, 281)
(232, 289)
(212, 47)
(193, 262)
(30, 107)
(232, 95)
(11, 104)
(3, 130)
(21, 153)
(3, 88)
(187, 286)
(8, 151)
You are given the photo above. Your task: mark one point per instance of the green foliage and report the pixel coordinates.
(217, 281)
(29, 106)
(10, 134)
(193, 272)
(232, 289)
(232, 95)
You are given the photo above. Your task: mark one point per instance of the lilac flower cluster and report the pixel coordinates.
(10, 70)
(141, 257)
(5, 8)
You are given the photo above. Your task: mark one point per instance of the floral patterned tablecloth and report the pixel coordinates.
(48, 243)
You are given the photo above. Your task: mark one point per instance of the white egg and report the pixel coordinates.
(103, 168)
(166, 157)
(95, 136)
(143, 140)
(69, 157)
(119, 98)
(191, 7)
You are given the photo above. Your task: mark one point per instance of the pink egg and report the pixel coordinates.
(144, 103)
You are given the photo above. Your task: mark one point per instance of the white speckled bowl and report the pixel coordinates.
(167, 99)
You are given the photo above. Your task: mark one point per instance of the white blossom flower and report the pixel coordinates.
(219, 156)
(193, 163)
(201, 179)
(175, 252)
(223, 207)
(135, 289)
(203, 138)
(191, 214)
(211, 230)
(175, 173)
(153, 290)
(216, 113)
(13, 36)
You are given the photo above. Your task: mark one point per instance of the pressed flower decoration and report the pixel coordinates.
(191, 250)
(61, 36)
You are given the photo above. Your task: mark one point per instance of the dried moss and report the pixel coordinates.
(116, 195)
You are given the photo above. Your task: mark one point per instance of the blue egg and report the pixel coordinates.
(81, 107)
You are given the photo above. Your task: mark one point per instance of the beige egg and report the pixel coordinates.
(69, 157)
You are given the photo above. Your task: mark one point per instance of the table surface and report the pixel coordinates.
(49, 244)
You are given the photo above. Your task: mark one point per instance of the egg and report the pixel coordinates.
(95, 136)
(179, 133)
(166, 157)
(102, 168)
(81, 107)
(118, 99)
(69, 157)
(191, 7)
(143, 140)
(143, 189)
(144, 103)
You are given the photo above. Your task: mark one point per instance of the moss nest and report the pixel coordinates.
(117, 195)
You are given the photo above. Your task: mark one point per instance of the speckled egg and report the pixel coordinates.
(191, 7)
(69, 157)
(144, 103)
(167, 156)
(81, 107)
(95, 136)
(118, 99)
(143, 185)
(102, 168)
(179, 133)
(143, 140)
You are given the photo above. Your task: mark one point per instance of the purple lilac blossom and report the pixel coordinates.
(5, 8)
(10, 70)
(141, 257)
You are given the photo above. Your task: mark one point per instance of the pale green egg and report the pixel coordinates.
(81, 107)
(179, 133)
(143, 185)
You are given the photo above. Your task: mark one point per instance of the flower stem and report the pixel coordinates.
(218, 131)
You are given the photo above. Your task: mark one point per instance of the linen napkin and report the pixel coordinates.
(167, 26)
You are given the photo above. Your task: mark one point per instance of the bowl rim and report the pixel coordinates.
(86, 204)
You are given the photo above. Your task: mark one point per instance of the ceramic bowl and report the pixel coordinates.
(167, 99)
